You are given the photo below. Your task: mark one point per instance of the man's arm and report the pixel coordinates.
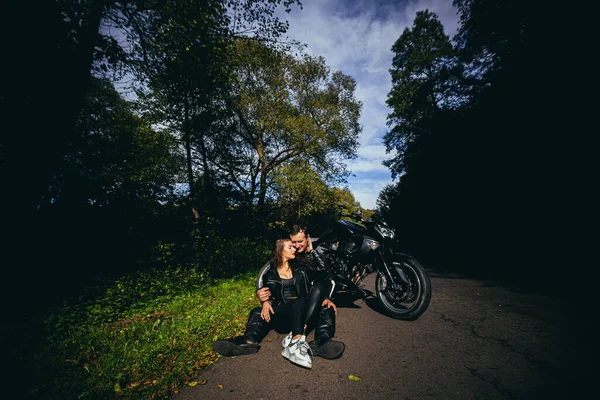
(263, 294)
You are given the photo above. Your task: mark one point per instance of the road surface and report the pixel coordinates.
(477, 340)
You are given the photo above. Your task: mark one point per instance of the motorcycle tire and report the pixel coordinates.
(405, 301)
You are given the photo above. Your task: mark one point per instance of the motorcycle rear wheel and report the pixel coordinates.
(405, 301)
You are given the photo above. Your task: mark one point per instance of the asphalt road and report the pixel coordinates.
(477, 340)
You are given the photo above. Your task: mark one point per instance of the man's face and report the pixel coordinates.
(299, 241)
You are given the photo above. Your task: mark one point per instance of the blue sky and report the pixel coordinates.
(356, 37)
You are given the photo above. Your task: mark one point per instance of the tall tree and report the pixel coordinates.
(83, 37)
(288, 109)
(188, 69)
(424, 73)
(299, 191)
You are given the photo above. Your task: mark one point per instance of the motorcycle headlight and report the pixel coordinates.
(386, 233)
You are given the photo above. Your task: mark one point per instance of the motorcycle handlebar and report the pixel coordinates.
(355, 217)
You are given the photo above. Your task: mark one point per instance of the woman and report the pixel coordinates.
(284, 310)
(286, 306)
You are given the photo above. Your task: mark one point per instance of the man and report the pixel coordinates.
(321, 310)
(321, 291)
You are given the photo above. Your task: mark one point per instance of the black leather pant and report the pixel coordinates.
(322, 319)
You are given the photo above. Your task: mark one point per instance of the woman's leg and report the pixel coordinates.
(291, 316)
(256, 327)
(299, 317)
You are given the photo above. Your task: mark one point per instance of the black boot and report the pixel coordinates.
(236, 346)
(323, 346)
(330, 350)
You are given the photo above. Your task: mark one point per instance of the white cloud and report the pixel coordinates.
(356, 37)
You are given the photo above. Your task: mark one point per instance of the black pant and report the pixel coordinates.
(322, 319)
(289, 316)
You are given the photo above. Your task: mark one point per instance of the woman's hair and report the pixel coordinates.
(277, 258)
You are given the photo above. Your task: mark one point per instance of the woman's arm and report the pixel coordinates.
(267, 310)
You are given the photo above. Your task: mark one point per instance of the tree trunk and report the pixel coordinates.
(188, 156)
(262, 193)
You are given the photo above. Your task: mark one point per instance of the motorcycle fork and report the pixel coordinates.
(401, 276)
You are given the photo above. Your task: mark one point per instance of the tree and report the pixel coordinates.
(345, 199)
(424, 75)
(187, 65)
(288, 109)
(386, 199)
(299, 191)
(102, 37)
(117, 156)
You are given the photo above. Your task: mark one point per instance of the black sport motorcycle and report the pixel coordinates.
(352, 251)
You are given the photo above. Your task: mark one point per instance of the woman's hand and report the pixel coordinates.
(267, 310)
(329, 304)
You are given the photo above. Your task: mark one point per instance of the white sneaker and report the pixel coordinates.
(287, 340)
(299, 353)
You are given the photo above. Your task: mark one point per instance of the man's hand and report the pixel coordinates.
(266, 312)
(308, 244)
(263, 294)
(329, 304)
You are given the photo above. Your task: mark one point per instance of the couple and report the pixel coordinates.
(295, 296)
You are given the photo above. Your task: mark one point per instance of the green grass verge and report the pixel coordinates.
(144, 337)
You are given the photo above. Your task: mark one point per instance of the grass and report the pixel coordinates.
(142, 337)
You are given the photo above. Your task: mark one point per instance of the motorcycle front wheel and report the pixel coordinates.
(405, 300)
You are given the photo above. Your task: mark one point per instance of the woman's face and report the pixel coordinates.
(289, 251)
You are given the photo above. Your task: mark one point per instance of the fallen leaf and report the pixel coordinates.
(269, 340)
(202, 382)
(220, 386)
(354, 378)
(192, 384)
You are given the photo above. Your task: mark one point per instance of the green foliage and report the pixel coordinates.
(212, 253)
(300, 191)
(344, 197)
(474, 172)
(117, 156)
(425, 81)
(144, 336)
(287, 110)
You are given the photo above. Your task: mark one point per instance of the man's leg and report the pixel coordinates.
(318, 292)
(325, 328)
(322, 319)
(323, 345)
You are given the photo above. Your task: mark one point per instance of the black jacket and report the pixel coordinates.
(272, 280)
(307, 268)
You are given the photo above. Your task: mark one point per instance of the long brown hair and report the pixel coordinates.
(277, 257)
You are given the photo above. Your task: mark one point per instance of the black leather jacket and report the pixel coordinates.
(272, 280)
(307, 268)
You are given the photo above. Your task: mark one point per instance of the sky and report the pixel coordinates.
(356, 37)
